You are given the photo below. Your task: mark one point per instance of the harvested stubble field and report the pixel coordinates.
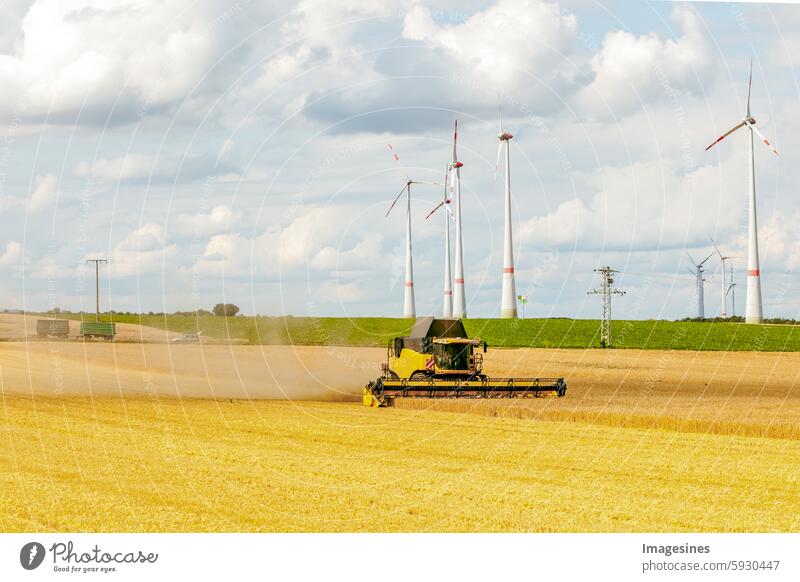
(94, 439)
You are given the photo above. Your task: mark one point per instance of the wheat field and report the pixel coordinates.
(127, 437)
(155, 464)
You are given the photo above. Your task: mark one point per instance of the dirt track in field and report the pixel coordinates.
(197, 371)
(15, 327)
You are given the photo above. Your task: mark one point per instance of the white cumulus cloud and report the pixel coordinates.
(111, 57)
(641, 205)
(219, 219)
(501, 43)
(118, 168)
(143, 251)
(631, 70)
(44, 193)
(11, 255)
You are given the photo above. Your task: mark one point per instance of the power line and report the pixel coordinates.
(606, 290)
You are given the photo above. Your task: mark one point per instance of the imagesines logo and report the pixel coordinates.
(31, 555)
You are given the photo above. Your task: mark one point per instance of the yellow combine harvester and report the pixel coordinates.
(438, 360)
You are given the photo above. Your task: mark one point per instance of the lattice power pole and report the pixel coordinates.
(606, 290)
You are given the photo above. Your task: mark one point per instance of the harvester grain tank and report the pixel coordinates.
(438, 360)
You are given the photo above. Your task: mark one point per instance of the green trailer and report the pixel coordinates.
(46, 328)
(98, 329)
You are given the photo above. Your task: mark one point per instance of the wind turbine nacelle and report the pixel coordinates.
(505, 136)
(456, 165)
(751, 120)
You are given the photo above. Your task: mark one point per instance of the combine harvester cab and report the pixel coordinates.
(438, 360)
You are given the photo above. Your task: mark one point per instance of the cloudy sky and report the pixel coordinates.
(238, 151)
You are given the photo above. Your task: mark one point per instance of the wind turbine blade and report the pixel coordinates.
(497, 163)
(715, 248)
(452, 181)
(704, 260)
(691, 259)
(399, 162)
(749, 86)
(427, 183)
(500, 110)
(455, 139)
(438, 206)
(396, 199)
(447, 171)
(726, 134)
(765, 140)
(450, 212)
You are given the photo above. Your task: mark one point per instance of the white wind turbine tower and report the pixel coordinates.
(754, 312)
(725, 289)
(447, 309)
(698, 273)
(409, 309)
(508, 303)
(460, 298)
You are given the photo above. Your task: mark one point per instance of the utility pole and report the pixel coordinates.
(523, 299)
(606, 290)
(97, 285)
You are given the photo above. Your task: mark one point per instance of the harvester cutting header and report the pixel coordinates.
(438, 360)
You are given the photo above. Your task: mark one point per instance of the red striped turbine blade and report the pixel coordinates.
(396, 199)
(765, 140)
(391, 149)
(438, 206)
(726, 134)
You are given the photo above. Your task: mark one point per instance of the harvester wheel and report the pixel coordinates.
(391, 375)
(417, 376)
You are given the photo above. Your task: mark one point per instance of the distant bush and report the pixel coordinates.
(226, 309)
(196, 313)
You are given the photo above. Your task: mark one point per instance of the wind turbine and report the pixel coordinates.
(725, 289)
(459, 299)
(508, 302)
(447, 310)
(698, 273)
(732, 290)
(754, 312)
(409, 309)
